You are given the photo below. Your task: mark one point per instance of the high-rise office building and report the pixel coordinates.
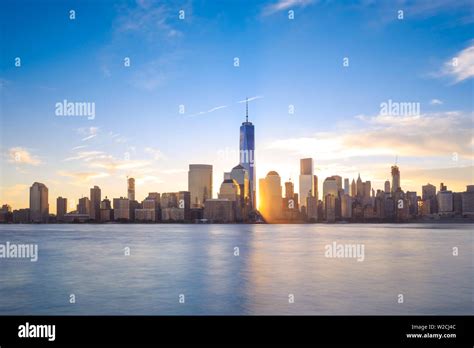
(106, 211)
(315, 187)
(387, 186)
(247, 155)
(445, 201)
(338, 181)
(61, 208)
(121, 208)
(428, 193)
(346, 206)
(360, 187)
(289, 189)
(395, 178)
(467, 201)
(39, 206)
(346, 186)
(330, 187)
(241, 176)
(131, 189)
(270, 201)
(95, 203)
(84, 206)
(306, 180)
(200, 184)
(353, 188)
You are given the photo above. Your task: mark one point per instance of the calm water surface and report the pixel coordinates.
(415, 260)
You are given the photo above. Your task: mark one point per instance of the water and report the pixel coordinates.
(415, 260)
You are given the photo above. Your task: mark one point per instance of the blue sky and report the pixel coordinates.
(138, 131)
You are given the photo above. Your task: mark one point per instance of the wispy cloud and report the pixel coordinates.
(82, 177)
(282, 5)
(460, 67)
(88, 132)
(436, 102)
(149, 18)
(21, 155)
(250, 99)
(78, 147)
(208, 111)
(155, 153)
(427, 135)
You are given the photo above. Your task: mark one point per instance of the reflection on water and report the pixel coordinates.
(274, 261)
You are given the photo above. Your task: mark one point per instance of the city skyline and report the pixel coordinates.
(152, 119)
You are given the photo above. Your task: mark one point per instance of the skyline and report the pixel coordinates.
(137, 129)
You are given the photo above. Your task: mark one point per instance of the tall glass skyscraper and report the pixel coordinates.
(247, 154)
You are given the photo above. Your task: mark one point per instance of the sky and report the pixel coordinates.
(315, 81)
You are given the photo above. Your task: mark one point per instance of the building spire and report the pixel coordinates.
(246, 109)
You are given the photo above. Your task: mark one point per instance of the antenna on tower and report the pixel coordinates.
(246, 109)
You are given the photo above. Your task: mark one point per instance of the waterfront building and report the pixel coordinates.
(270, 202)
(61, 208)
(247, 155)
(306, 180)
(200, 184)
(121, 209)
(219, 210)
(95, 203)
(39, 206)
(395, 178)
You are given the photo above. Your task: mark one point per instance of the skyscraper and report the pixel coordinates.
(270, 202)
(289, 189)
(395, 178)
(200, 184)
(306, 180)
(241, 175)
(330, 187)
(346, 186)
(387, 186)
(360, 187)
(131, 189)
(315, 187)
(39, 206)
(428, 193)
(338, 181)
(84, 206)
(61, 208)
(247, 154)
(95, 203)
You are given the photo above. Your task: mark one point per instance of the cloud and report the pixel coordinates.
(282, 5)
(150, 18)
(426, 135)
(79, 147)
(460, 67)
(14, 191)
(156, 153)
(208, 111)
(88, 132)
(250, 99)
(83, 176)
(436, 102)
(88, 156)
(21, 155)
(148, 179)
